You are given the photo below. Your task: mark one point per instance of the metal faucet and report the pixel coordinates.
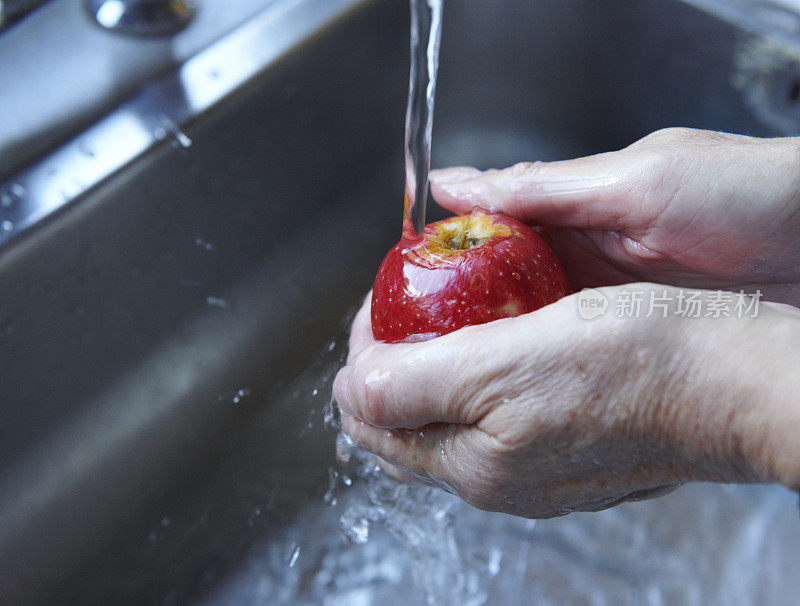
(135, 17)
(142, 17)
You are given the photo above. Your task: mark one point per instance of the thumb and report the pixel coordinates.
(604, 191)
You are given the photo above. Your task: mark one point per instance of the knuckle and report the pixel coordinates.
(518, 180)
(671, 134)
(524, 169)
(684, 136)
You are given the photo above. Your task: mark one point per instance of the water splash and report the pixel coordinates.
(422, 519)
(364, 538)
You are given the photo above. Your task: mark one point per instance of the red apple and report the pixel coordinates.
(464, 270)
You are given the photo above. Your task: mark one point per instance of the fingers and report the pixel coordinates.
(453, 175)
(398, 473)
(417, 452)
(600, 191)
(447, 456)
(456, 378)
(361, 330)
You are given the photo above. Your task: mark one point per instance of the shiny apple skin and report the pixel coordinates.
(425, 289)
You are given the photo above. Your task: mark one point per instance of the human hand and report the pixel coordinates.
(545, 413)
(681, 206)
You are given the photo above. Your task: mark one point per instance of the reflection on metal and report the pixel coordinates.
(778, 18)
(142, 17)
(155, 115)
(13, 10)
(768, 77)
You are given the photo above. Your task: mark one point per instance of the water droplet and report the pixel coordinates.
(252, 519)
(86, 149)
(160, 133)
(358, 532)
(240, 394)
(10, 196)
(330, 418)
(315, 392)
(164, 522)
(346, 480)
(6, 225)
(495, 557)
(216, 302)
(331, 345)
(333, 487)
(295, 555)
(183, 139)
(204, 244)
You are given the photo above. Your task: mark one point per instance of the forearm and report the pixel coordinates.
(741, 418)
(770, 425)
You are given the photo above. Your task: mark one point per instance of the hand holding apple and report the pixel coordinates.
(544, 413)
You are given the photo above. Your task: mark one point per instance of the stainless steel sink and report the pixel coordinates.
(166, 336)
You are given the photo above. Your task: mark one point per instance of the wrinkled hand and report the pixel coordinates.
(681, 206)
(544, 413)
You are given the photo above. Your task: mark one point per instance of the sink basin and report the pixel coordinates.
(168, 338)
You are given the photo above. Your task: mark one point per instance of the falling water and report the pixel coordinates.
(426, 33)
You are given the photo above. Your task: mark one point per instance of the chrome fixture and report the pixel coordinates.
(142, 17)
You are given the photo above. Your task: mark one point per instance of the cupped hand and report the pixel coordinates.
(681, 206)
(545, 413)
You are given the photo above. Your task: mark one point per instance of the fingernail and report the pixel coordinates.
(456, 174)
(340, 390)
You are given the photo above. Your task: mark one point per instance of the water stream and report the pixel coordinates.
(426, 33)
